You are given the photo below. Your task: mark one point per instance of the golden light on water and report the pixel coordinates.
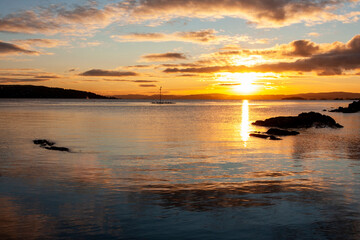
(245, 124)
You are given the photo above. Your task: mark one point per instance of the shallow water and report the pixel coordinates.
(183, 171)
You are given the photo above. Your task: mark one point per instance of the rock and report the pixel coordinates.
(303, 120)
(49, 145)
(352, 108)
(43, 142)
(259, 135)
(272, 137)
(64, 149)
(281, 132)
(265, 136)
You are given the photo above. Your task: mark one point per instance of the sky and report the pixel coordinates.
(242, 47)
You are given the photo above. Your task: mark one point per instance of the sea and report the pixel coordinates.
(188, 170)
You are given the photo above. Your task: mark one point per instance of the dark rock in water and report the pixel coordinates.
(265, 136)
(281, 132)
(64, 149)
(303, 120)
(259, 135)
(352, 108)
(49, 145)
(43, 142)
(272, 137)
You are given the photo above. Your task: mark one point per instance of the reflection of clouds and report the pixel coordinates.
(331, 144)
(275, 200)
(211, 196)
(14, 224)
(275, 174)
(353, 149)
(162, 164)
(149, 210)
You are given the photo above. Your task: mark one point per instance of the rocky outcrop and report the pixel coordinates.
(49, 145)
(281, 132)
(264, 135)
(303, 120)
(352, 108)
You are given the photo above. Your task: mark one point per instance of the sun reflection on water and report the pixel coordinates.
(245, 124)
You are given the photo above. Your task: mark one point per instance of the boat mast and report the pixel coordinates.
(160, 94)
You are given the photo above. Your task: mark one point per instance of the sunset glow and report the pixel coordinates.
(179, 119)
(245, 83)
(134, 47)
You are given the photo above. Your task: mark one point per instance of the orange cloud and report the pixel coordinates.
(314, 34)
(203, 36)
(147, 85)
(164, 57)
(12, 49)
(337, 59)
(134, 81)
(107, 73)
(37, 42)
(264, 13)
(206, 36)
(21, 80)
(25, 76)
(297, 49)
(52, 20)
(84, 19)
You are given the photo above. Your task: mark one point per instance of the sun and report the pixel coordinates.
(245, 88)
(244, 83)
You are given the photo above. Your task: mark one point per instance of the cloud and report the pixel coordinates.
(147, 85)
(37, 42)
(28, 22)
(264, 13)
(107, 73)
(134, 81)
(144, 81)
(84, 19)
(180, 65)
(212, 69)
(159, 57)
(21, 80)
(12, 49)
(303, 48)
(188, 75)
(298, 49)
(229, 84)
(335, 61)
(48, 76)
(18, 75)
(140, 66)
(58, 19)
(314, 34)
(19, 69)
(205, 36)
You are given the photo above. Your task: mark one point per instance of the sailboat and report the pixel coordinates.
(160, 100)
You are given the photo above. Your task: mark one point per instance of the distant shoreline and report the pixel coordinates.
(41, 92)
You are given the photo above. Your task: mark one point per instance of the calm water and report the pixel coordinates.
(183, 171)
